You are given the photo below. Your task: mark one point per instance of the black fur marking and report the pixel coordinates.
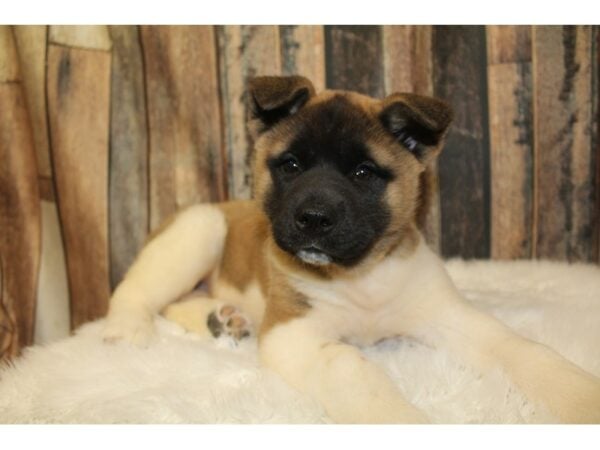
(329, 147)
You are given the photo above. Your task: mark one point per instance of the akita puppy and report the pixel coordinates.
(329, 254)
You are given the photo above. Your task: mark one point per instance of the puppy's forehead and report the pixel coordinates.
(332, 120)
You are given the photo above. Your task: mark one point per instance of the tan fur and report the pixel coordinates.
(308, 316)
(246, 257)
(243, 259)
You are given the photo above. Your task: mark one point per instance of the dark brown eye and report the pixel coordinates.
(364, 171)
(290, 166)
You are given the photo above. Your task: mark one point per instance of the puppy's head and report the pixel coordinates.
(339, 173)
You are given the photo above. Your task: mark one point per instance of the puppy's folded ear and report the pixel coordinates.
(271, 99)
(418, 122)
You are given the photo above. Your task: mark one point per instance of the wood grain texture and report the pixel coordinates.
(459, 55)
(186, 163)
(20, 222)
(78, 106)
(353, 58)
(511, 142)
(129, 209)
(31, 45)
(303, 52)
(46, 186)
(408, 68)
(563, 139)
(244, 52)
(94, 37)
(508, 43)
(407, 59)
(9, 63)
(511, 148)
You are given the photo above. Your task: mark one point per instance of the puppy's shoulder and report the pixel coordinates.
(247, 230)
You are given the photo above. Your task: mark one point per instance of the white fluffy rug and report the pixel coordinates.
(185, 379)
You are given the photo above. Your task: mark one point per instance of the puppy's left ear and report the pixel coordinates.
(419, 123)
(272, 99)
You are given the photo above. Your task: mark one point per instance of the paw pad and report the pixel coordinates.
(229, 321)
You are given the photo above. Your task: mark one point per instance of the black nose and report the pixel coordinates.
(315, 220)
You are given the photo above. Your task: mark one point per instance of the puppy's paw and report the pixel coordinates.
(227, 320)
(136, 329)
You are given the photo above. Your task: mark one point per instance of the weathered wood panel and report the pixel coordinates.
(303, 52)
(244, 52)
(508, 43)
(511, 141)
(407, 59)
(31, 45)
(94, 37)
(408, 68)
(459, 67)
(9, 63)
(184, 118)
(19, 207)
(186, 163)
(78, 106)
(563, 139)
(128, 172)
(353, 58)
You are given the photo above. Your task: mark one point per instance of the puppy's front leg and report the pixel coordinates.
(570, 393)
(350, 388)
(166, 268)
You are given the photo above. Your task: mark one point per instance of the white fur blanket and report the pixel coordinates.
(185, 379)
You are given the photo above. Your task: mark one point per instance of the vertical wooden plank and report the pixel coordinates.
(128, 172)
(303, 52)
(459, 67)
(353, 58)
(408, 68)
(184, 118)
(511, 140)
(78, 87)
(563, 139)
(19, 207)
(407, 59)
(508, 43)
(244, 52)
(31, 46)
(52, 316)
(9, 63)
(94, 37)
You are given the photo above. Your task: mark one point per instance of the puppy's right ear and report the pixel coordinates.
(271, 99)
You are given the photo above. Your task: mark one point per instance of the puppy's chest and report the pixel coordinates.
(359, 309)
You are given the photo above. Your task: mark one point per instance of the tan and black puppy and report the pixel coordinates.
(329, 254)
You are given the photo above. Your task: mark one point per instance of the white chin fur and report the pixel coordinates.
(314, 258)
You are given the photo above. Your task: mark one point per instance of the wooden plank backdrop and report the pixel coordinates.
(511, 140)
(78, 90)
(120, 126)
(128, 183)
(563, 126)
(459, 76)
(20, 223)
